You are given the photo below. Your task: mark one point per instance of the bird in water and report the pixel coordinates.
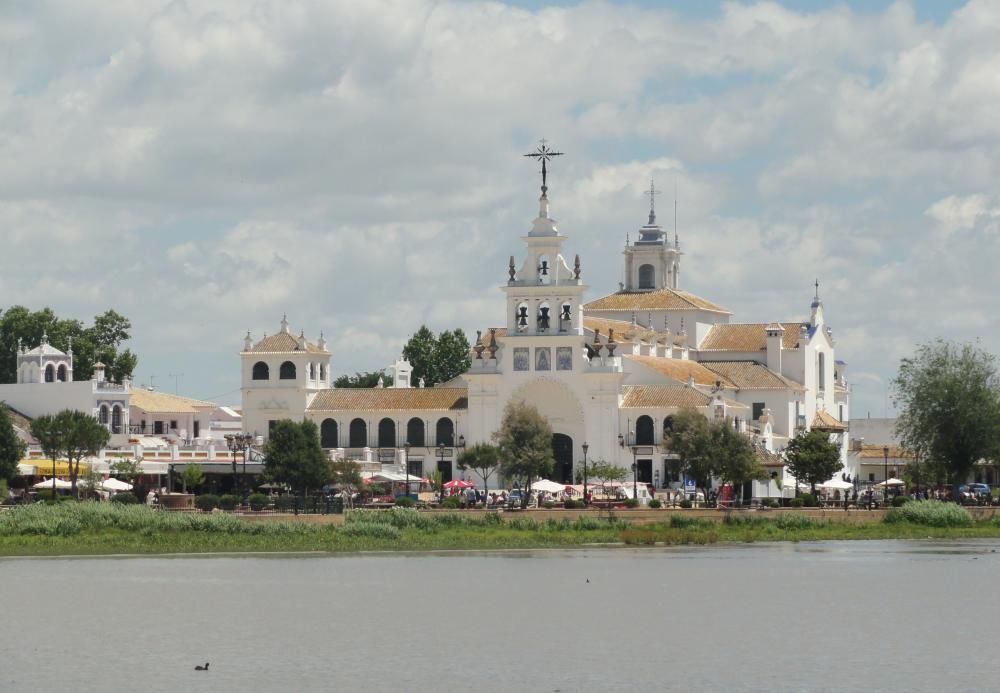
(202, 668)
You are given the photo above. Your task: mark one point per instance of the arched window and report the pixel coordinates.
(61, 373)
(328, 434)
(287, 371)
(415, 432)
(50, 373)
(544, 317)
(544, 270)
(312, 370)
(116, 419)
(359, 434)
(102, 415)
(647, 277)
(521, 317)
(387, 433)
(821, 371)
(322, 372)
(445, 431)
(668, 426)
(644, 430)
(261, 371)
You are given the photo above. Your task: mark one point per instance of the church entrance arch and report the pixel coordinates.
(562, 451)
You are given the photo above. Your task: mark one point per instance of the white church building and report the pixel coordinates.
(610, 372)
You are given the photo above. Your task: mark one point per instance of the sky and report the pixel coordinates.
(205, 167)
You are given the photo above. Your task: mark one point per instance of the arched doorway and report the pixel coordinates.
(562, 450)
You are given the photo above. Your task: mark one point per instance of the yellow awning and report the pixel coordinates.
(44, 467)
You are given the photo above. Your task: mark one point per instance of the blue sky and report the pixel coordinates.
(205, 167)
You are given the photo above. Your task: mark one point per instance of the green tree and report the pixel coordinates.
(12, 448)
(346, 475)
(99, 342)
(483, 459)
(812, 458)
(524, 440)
(691, 439)
(71, 434)
(948, 396)
(293, 455)
(127, 469)
(437, 359)
(736, 463)
(192, 476)
(368, 379)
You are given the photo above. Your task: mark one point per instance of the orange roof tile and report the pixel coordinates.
(164, 403)
(680, 369)
(750, 375)
(390, 399)
(747, 337)
(624, 331)
(661, 299)
(874, 451)
(282, 343)
(824, 421)
(642, 396)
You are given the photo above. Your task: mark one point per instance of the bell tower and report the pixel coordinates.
(652, 262)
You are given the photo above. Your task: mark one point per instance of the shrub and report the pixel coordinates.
(770, 503)
(685, 503)
(686, 521)
(655, 503)
(931, 513)
(631, 503)
(284, 503)
(548, 505)
(229, 501)
(798, 502)
(452, 502)
(258, 501)
(124, 497)
(207, 502)
(571, 504)
(809, 500)
(900, 500)
(405, 502)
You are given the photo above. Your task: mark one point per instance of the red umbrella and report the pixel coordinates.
(458, 483)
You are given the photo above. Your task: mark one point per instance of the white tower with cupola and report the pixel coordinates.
(652, 262)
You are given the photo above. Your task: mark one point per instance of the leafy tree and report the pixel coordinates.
(345, 474)
(192, 476)
(605, 471)
(99, 342)
(293, 455)
(72, 434)
(525, 444)
(437, 359)
(813, 458)
(691, 439)
(367, 379)
(127, 469)
(949, 401)
(483, 459)
(12, 448)
(735, 460)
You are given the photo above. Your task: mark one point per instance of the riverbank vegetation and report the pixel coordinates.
(110, 528)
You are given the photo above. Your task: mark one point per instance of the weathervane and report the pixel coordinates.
(543, 153)
(652, 209)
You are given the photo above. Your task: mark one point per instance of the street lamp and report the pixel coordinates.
(239, 442)
(585, 449)
(406, 463)
(635, 467)
(440, 462)
(885, 473)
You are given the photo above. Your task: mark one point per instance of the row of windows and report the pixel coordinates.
(115, 417)
(52, 374)
(543, 359)
(357, 433)
(286, 371)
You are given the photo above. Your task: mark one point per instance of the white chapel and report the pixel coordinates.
(610, 372)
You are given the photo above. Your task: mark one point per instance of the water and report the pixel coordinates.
(794, 617)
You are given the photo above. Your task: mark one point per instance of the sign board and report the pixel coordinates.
(689, 484)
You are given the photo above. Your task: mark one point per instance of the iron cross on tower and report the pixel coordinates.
(652, 192)
(544, 153)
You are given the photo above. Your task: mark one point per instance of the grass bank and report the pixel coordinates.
(104, 529)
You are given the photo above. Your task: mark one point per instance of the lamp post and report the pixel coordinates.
(233, 447)
(406, 463)
(885, 473)
(239, 442)
(635, 466)
(440, 462)
(585, 449)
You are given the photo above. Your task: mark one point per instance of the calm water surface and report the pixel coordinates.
(793, 617)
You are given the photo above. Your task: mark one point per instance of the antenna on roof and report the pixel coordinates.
(176, 377)
(675, 210)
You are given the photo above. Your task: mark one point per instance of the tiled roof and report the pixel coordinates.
(17, 418)
(643, 396)
(624, 331)
(874, 451)
(390, 399)
(282, 343)
(661, 299)
(767, 458)
(824, 421)
(163, 403)
(680, 369)
(750, 375)
(747, 337)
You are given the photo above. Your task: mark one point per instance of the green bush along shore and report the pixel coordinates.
(110, 528)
